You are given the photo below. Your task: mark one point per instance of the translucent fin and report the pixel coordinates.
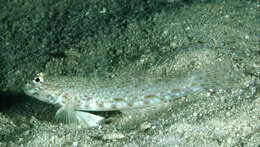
(90, 119)
(222, 75)
(68, 114)
(142, 111)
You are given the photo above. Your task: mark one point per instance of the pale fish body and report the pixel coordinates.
(77, 95)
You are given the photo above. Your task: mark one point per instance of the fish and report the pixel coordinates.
(77, 97)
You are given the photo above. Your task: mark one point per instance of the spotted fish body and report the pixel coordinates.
(77, 95)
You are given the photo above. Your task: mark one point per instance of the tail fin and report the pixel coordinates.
(223, 75)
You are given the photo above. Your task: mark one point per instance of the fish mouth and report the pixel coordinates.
(29, 90)
(27, 87)
(39, 94)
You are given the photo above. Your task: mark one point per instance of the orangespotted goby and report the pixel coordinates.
(77, 97)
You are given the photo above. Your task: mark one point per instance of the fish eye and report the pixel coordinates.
(39, 78)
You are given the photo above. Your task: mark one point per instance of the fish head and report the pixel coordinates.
(40, 89)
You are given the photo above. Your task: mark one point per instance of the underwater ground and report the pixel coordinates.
(95, 38)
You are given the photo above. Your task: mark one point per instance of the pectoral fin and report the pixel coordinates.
(68, 114)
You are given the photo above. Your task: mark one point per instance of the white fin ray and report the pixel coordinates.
(90, 119)
(68, 114)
